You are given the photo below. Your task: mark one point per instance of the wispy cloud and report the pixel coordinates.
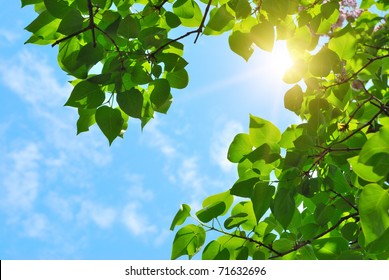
(136, 221)
(220, 142)
(21, 181)
(102, 216)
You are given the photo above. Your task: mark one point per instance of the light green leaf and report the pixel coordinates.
(344, 43)
(323, 62)
(236, 220)
(181, 215)
(377, 144)
(219, 18)
(241, 209)
(374, 212)
(263, 35)
(366, 172)
(188, 241)
(215, 251)
(240, 146)
(184, 8)
(261, 199)
(225, 197)
(262, 131)
(241, 44)
(110, 122)
(329, 248)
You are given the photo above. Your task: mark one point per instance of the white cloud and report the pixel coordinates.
(157, 139)
(20, 183)
(135, 221)
(9, 36)
(103, 217)
(36, 226)
(136, 189)
(221, 141)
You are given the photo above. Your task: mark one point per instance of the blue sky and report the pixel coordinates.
(64, 196)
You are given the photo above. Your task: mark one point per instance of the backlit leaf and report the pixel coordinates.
(181, 215)
(110, 122)
(188, 241)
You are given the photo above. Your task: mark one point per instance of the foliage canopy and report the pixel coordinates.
(318, 190)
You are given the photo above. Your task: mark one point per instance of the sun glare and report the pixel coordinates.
(280, 60)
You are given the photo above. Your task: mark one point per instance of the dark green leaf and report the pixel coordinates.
(131, 102)
(284, 207)
(129, 27)
(261, 198)
(160, 92)
(86, 119)
(58, 8)
(178, 79)
(293, 99)
(86, 95)
(211, 211)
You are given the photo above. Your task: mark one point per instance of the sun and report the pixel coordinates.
(280, 60)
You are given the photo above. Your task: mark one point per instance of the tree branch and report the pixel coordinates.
(309, 241)
(200, 29)
(91, 26)
(115, 45)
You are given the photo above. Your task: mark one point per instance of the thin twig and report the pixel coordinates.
(92, 22)
(115, 45)
(200, 29)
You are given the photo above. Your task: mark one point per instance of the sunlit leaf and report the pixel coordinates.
(181, 215)
(188, 241)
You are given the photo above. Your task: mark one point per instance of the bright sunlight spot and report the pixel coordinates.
(280, 60)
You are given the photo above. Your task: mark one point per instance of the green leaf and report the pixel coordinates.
(86, 119)
(178, 79)
(212, 211)
(324, 213)
(236, 220)
(72, 22)
(129, 27)
(374, 212)
(220, 18)
(277, 9)
(86, 95)
(242, 8)
(160, 92)
(131, 102)
(110, 122)
(240, 147)
(366, 172)
(261, 199)
(262, 131)
(344, 43)
(293, 99)
(244, 209)
(245, 184)
(323, 62)
(90, 55)
(30, 2)
(181, 215)
(284, 207)
(58, 8)
(184, 8)
(188, 241)
(225, 197)
(44, 26)
(377, 144)
(241, 44)
(263, 35)
(215, 251)
(329, 248)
